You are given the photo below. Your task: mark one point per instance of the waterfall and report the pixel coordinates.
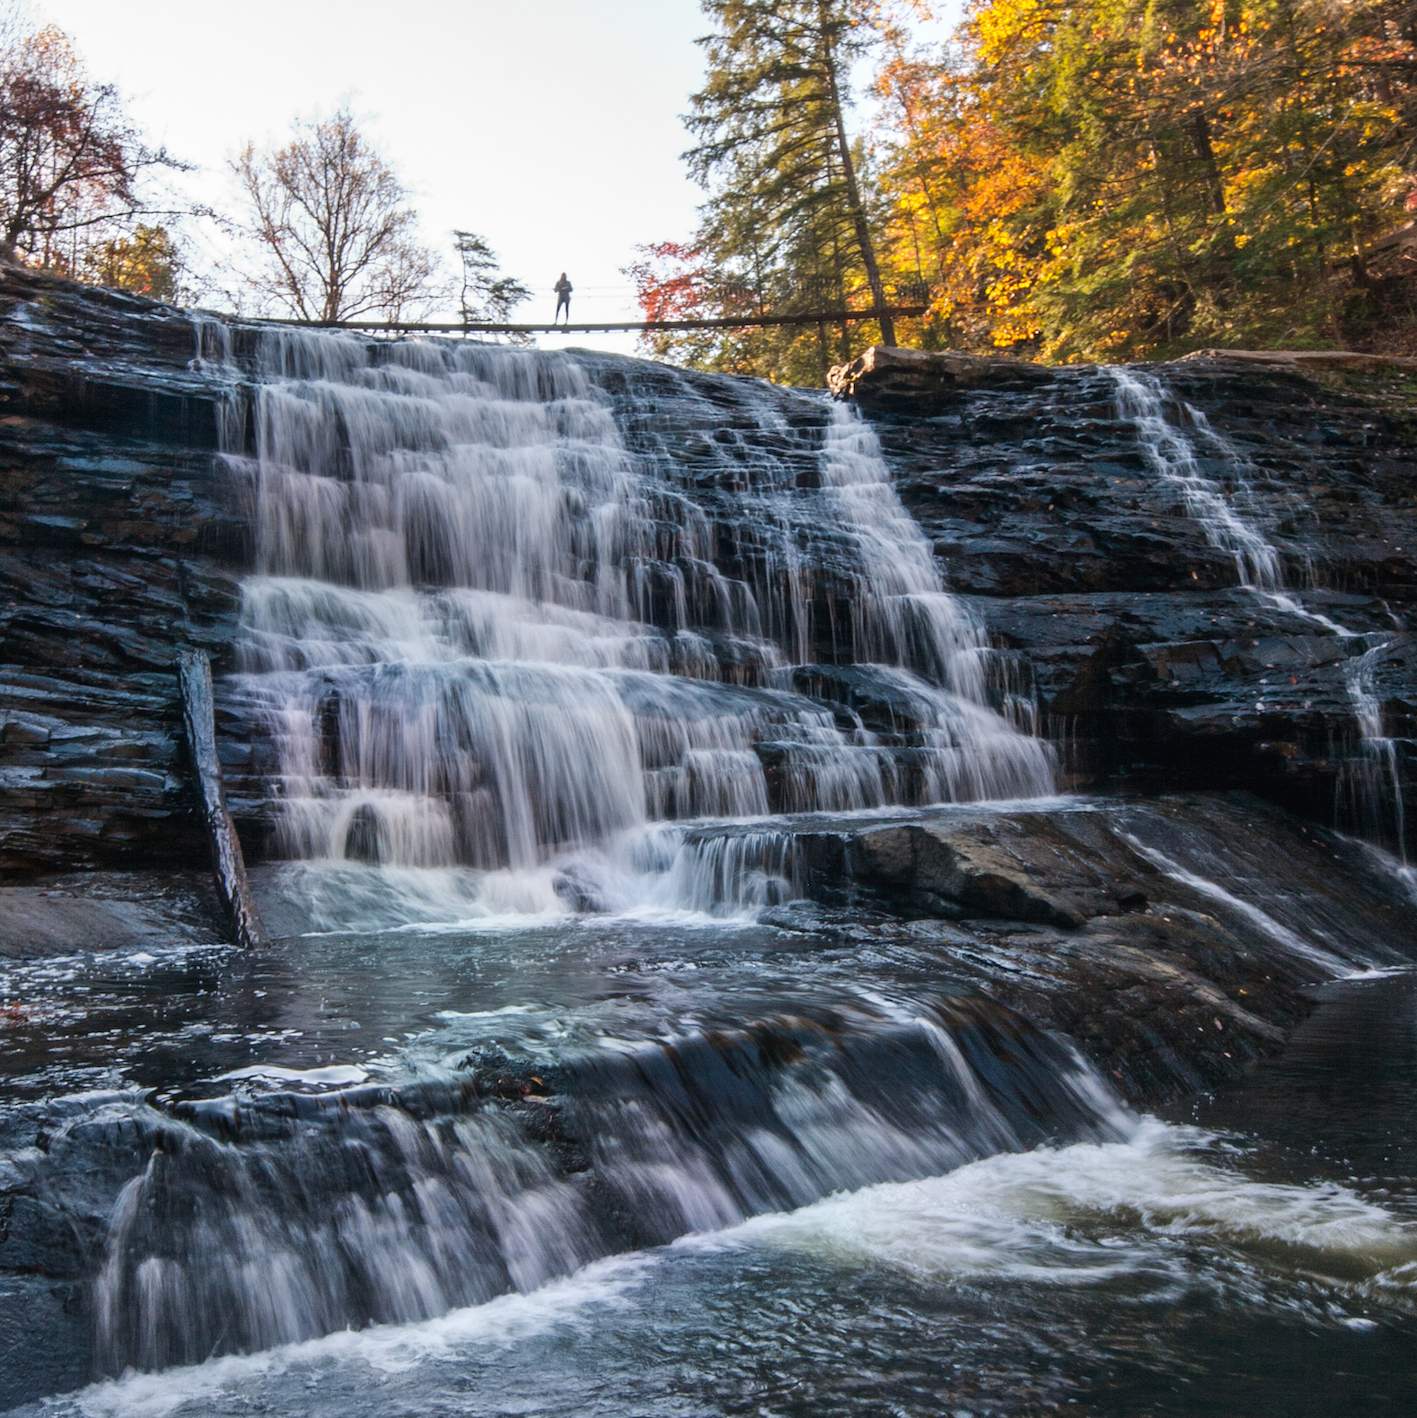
(496, 649)
(272, 1218)
(1230, 521)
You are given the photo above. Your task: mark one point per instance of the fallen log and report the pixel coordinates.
(194, 673)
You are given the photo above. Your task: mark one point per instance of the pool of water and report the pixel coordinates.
(1254, 1252)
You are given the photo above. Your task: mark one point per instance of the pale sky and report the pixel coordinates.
(549, 126)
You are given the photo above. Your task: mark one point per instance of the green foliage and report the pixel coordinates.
(1127, 178)
(486, 295)
(787, 223)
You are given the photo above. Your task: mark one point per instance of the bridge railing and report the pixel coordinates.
(725, 322)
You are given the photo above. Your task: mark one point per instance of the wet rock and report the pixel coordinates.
(121, 540)
(123, 537)
(1089, 920)
(972, 869)
(923, 381)
(362, 840)
(1152, 664)
(108, 911)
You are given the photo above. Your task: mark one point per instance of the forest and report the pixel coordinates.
(1063, 179)
(1060, 180)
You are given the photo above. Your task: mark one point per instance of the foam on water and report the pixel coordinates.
(1022, 1215)
(384, 1349)
(1139, 1216)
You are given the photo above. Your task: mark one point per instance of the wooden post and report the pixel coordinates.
(194, 674)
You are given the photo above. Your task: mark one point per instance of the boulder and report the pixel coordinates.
(922, 381)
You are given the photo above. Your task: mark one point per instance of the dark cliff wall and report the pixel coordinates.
(121, 540)
(123, 537)
(1147, 654)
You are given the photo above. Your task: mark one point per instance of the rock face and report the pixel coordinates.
(121, 540)
(1171, 938)
(920, 381)
(123, 537)
(1150, 660)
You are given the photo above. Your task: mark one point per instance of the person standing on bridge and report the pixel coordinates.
(563, 299)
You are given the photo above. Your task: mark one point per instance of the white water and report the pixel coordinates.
(1230, 523)
(1033, 1218)
(243, 1232)
(1159, 1212)
(495, 652)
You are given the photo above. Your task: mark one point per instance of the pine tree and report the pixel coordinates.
(486, 294)
(788, 220)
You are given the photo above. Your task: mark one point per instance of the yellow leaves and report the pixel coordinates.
(1087, 177)
(1001, 23)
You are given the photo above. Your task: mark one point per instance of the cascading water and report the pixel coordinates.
(269, 1220)
(496, 651)
(540, 637)
(1370, 784)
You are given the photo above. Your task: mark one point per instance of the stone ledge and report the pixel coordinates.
(914, 380)
(1300, 360)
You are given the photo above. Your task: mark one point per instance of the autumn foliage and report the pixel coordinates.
(1123, 178)
(1107, 179)
(72, 167)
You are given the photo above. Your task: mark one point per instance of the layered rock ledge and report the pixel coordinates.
(123, 538)
(1151, 661)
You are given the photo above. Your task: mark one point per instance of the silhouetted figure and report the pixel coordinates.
(563, 299)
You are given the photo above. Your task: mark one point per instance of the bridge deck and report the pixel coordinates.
(726, 322)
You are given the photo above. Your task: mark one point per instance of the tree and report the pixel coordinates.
(487, 296)
(71, 163)
(334, 227)
(147, 262)
(773, 146)
(1125, 178)
(788, 225)
(676, 281)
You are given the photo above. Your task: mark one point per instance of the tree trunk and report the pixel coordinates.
(228, 866)
(1200, 136)
(853, 191)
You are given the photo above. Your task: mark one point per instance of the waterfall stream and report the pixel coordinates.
(1231, 522)
(268, 1220)
(497, 651)
(685, 990)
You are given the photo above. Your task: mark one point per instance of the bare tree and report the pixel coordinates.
(338, 237)
(71, 163)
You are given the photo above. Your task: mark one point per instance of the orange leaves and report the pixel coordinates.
(669, 279)
(1133, 177)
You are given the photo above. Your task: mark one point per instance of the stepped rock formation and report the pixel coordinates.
(124, 537)
(927, 766)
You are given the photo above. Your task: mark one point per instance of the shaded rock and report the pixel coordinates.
(121, 539)
(923, 381)
(1172, 939)
(972, 868)
(108, 911)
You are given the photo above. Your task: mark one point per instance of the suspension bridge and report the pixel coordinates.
(822, 318)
